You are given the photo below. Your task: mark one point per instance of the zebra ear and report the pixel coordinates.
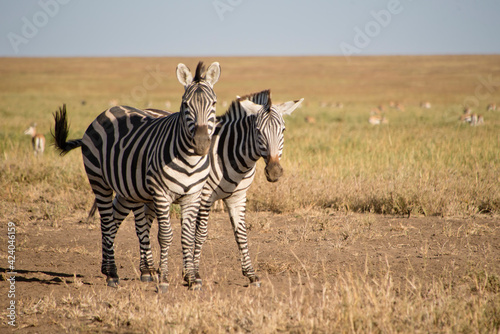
(287, 108)
(250, 107)
(213, 73)
(184, 74)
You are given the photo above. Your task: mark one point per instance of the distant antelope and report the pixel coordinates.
(400, 106)
(471, 118)
(491, 107)
(376, 118)
(425, 105)
(477, 120)
(37, 140)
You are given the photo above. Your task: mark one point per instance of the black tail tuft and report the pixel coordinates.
(61, 132)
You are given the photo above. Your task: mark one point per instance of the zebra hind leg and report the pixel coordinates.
(144, 217)
(108, 233)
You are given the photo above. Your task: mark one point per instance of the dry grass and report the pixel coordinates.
(424, 162)
(352, 303)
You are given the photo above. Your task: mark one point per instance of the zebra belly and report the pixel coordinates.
(115, 148)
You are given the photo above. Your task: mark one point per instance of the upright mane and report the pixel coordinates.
(233, 112)
(200, 72)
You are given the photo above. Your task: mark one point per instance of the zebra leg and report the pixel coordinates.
(200, 237)
(190, 205)
(144, 217)
(236, 208)
(104, 199)
(165, 236)
(120, 210)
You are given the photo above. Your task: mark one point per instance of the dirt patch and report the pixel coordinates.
(54, 264)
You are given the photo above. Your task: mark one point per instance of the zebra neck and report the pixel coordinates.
(238, 140)
(174, 131)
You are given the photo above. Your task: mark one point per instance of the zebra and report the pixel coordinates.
(251, 128)
(142, 159)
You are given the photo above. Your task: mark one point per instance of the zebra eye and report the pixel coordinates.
(214, 103)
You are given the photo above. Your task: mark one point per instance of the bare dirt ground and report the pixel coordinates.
(54, 262)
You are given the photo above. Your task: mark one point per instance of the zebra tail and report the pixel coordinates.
(61, 133)
(92, 211)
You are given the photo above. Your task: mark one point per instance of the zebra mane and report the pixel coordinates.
(262, 98)
(200, 72)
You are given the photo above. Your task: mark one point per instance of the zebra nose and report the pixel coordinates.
(201, 140)
(273, 169)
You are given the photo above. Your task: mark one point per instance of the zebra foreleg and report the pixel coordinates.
(165, 236)
(200, 237)
(189, 210)
(236, 209)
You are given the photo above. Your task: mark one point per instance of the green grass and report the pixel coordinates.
(422, 162)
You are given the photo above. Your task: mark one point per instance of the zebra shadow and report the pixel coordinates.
(22, 275)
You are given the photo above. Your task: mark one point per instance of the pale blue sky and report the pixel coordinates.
(248, 27)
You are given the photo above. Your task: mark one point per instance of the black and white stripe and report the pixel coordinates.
(252, 128)
(144, 158)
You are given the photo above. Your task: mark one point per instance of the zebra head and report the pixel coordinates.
(198, 104)
(269, 129)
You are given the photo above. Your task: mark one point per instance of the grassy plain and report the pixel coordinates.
(346, 188)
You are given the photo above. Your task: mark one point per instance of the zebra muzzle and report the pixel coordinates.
(273, 169)
(201, 140)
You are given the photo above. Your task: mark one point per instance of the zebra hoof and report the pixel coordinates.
(162, 288)
(196, 286)
(147, 278)
(254, 281)
(255, 284)
(113, 282)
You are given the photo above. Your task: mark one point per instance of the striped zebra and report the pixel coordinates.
(143, 159)
(251, 128)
